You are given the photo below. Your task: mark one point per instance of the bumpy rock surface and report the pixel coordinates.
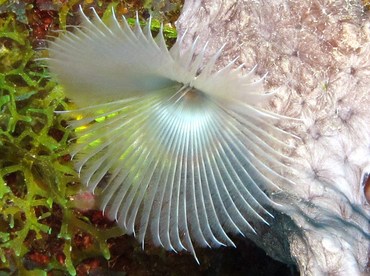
(317, 56)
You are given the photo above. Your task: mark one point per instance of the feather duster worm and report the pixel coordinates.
(173, 147)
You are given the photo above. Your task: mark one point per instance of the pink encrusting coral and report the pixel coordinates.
(317, 55)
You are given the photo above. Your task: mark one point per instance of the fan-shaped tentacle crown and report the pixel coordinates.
(172, 146)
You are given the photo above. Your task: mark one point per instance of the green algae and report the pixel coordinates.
(37, 180)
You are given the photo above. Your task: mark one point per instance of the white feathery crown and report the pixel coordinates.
(177, 151)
